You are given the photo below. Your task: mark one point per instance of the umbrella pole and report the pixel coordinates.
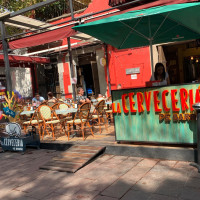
(152, 65)
(107, 67)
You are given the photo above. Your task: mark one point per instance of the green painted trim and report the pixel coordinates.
(146, 127)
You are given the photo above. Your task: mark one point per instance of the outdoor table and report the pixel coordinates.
(108, 103)
(92, 109)
(95, 103)
(27, 112)
(67, 111)
(93, 100)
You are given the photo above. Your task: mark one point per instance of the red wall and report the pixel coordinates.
(66, 78)
(120, 60)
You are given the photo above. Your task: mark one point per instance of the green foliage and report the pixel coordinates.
(50, 11)
(14, 5)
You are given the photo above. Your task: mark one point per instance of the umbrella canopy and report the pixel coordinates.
(145, 27)
(156, 25)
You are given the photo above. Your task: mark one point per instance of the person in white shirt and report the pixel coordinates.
(161, 75)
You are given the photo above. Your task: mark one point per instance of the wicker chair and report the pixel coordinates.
(51, 103)
(99, 114)
(35, 121)
(49, 118)
(80, 119)
(109, 115)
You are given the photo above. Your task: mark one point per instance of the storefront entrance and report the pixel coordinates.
(183, 62)
(87, 74)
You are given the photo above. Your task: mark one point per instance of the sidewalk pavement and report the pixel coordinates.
(107, 178)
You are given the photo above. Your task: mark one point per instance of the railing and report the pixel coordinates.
(59, 8)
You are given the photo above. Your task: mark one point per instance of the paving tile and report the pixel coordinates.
(115, 160)
(136, 195)
(99, 197)
(74, 186)
(148, 162)
(56, 196)
(117, 189)
(96, 172)
(169, 163)
(156, 175)
(24, 198)
(193, 182)
(11, 194)
(179, 174)
(190, 194)
(103, 158)
(134, 160)
(170, 187)
(102, 182)
(147, 184)
(195, 174)
(136, 173)
(85, 195)
(161, 168)
(161, 197)
(41, 191)
(181, 164)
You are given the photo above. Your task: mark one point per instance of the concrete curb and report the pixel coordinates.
(155, 152)
(166, 153)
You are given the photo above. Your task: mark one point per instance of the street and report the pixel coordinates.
(106, 178)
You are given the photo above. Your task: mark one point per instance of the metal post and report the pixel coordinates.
(107, 67)
(71, 67)
(71, 9)
(151, 57)
(6, 59)
(197, 164)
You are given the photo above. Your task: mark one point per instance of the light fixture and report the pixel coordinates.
(192, 58)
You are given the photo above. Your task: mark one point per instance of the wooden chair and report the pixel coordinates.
(35, 121)
(55, 106)
(64, 118)
(109, 115)
(100, 99)
(81, 119)
(44, 103)
(100, 114)
(49, 118)
(50, 103)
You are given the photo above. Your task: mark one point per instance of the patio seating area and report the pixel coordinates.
(62, 121)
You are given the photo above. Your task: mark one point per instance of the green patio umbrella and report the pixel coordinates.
(156, 25)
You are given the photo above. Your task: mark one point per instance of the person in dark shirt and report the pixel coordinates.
(80, 98)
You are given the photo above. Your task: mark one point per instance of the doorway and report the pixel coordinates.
(87, 74)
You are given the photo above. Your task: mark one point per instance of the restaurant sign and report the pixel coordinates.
(13, 144)
(17, 142)
(135, 70)
(158, 114)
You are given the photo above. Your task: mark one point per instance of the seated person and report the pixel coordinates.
(18, 98)
(100, 97)
(161, 75)
(119, 87)
(38, 99)
(80, 98)
(51, 98)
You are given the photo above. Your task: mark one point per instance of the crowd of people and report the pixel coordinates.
(38, 100)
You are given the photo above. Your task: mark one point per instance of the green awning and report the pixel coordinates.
(155, 25)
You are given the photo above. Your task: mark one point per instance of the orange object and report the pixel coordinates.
(156, 101)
